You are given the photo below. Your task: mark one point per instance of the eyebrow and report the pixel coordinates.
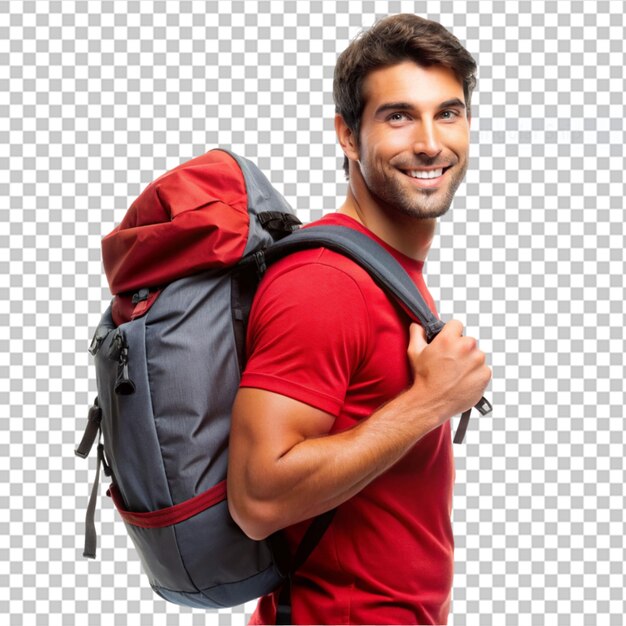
(407, 106)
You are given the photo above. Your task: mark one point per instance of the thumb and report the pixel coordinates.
(417, 340)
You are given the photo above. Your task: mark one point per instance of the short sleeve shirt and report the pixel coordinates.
(322, 332)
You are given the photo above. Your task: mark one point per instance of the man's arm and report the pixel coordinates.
(285, 468)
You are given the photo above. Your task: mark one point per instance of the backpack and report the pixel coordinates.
(183, 267)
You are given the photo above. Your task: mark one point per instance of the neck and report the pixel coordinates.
(413, 237)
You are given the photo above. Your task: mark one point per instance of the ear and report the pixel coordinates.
(346, 138)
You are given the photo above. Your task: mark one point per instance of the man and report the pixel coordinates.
(331, 412)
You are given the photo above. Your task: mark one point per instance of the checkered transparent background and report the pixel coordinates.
(99, 97)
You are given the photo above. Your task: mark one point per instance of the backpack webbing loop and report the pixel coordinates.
(483, 407)
(91, 431)
(90, 525)
(311, 538)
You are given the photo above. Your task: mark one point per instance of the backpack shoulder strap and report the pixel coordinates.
(384, 270)
(380, 264)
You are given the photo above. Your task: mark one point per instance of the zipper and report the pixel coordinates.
(118, 351)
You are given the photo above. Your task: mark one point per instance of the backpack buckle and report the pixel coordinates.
(261, 265)
(278, 224)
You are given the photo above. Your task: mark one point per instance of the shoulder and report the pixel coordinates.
(323, 269)
(309, 330)
(314, 287)
(313, 296)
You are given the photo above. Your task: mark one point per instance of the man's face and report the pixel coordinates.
(414, 119)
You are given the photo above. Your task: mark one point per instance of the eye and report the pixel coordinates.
(454, 114)
(398, 116)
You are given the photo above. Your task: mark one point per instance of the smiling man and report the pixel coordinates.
(334, 411)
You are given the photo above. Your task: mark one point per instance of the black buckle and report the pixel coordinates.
(278, 224)
(261, 266)
(484, 406)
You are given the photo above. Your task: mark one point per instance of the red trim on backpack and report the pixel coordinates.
(172, 514)
(123, 310)
(143, 307)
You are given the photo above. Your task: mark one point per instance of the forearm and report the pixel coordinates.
(318, 474)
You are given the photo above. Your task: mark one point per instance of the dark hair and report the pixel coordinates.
(388, 42)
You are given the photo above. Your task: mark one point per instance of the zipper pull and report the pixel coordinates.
(124, 386)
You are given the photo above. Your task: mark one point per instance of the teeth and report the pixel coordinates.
(423, 174)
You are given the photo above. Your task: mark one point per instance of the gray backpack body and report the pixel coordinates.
(168, 358)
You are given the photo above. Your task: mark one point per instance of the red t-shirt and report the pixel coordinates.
(322, 332)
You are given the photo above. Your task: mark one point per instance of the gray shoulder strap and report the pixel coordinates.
(384, 270)
(382, 266)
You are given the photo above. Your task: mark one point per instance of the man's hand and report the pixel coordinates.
(451, 370)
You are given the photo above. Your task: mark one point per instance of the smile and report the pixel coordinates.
(426, 178)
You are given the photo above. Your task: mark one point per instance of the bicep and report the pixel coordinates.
(266, 426)
(302, 350)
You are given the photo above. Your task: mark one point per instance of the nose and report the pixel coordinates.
(426, 139)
